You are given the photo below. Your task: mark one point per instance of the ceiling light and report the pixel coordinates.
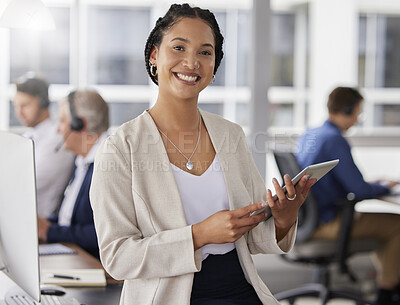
(27, 14)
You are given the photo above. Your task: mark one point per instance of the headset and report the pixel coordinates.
(77, 123)
(348, 110)
(44, 103)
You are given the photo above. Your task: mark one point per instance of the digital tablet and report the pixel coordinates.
(316, 171)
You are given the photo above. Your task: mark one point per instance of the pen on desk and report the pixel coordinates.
(68, 277)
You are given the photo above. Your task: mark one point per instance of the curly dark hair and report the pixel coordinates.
(175, 13)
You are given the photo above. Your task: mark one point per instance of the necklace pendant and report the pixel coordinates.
(189, 165)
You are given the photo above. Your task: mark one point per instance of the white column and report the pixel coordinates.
(333, 51)
(4, 79)
(261, 15)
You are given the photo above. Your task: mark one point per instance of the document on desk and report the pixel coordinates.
(54, 249)
(74, 277)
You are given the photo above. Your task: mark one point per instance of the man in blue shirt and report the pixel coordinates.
(325, 143)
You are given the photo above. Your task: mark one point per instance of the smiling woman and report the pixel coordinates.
(181, 62)
(173, 189)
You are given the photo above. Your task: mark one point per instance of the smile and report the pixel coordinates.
(187, 78)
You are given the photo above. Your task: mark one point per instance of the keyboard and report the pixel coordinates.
(45, 300)
(55, 300)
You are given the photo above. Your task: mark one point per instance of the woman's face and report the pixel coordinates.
(185, 59)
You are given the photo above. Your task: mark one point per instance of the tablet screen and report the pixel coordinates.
(316, 171)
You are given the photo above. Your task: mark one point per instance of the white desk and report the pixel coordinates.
(385, 204)
(108, 295)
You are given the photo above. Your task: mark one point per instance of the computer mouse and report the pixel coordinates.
(52, 290)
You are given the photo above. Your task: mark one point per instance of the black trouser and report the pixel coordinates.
(221, 281)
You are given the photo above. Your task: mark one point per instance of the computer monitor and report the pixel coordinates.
(19, 255)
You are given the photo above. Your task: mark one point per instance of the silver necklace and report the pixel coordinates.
(189, 164)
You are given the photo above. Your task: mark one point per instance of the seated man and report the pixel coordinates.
(54, 166)
(326, 143)
(83, 124)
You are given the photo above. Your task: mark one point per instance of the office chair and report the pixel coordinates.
(321, 254)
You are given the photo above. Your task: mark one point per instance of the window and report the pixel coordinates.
(288, 70)
(216, 108)
(121, 112)
(379, 51)
(379, 68)
(281, 115)
(362, 49)
(388, 55)
(44, 52)
(116, 42)
(107, 52)
(282, 49)
(243, 48)
(242, 114)
(387, 115)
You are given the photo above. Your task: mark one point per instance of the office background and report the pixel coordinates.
(313, 46)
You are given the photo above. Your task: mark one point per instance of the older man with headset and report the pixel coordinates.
(83, 124)
(53, 168)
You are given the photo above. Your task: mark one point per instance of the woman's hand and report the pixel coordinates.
(226, 226)
(286, 207)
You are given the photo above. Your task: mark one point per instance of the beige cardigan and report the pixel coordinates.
(141, 227)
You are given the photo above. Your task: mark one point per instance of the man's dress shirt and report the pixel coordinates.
(326, 143)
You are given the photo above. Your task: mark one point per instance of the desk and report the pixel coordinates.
(385, 204)
(82, 260)
(395, 199)
(108, 295)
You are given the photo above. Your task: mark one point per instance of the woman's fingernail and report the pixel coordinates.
(286, 177)
(274, 181)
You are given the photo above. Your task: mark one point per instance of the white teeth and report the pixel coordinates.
(186, 77)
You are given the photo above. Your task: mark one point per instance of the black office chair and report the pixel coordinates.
(321, 254)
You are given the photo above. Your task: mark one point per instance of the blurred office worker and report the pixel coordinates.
(53, 168)
(326, 143)
(83, 124)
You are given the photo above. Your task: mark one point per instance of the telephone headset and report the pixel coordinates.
(348, 110)
(44, 102)
(77, 123)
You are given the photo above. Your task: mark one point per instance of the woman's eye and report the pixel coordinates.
(205, 52)
(178, 48)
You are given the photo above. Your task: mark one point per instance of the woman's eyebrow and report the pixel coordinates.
(186, 40)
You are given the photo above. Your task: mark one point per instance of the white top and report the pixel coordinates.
(71, 193)
(53, 169)
(199, 204)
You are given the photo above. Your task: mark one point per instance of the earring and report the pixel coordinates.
(213, 80)
(153, 70)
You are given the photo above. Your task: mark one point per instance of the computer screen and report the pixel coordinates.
(19, 258)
